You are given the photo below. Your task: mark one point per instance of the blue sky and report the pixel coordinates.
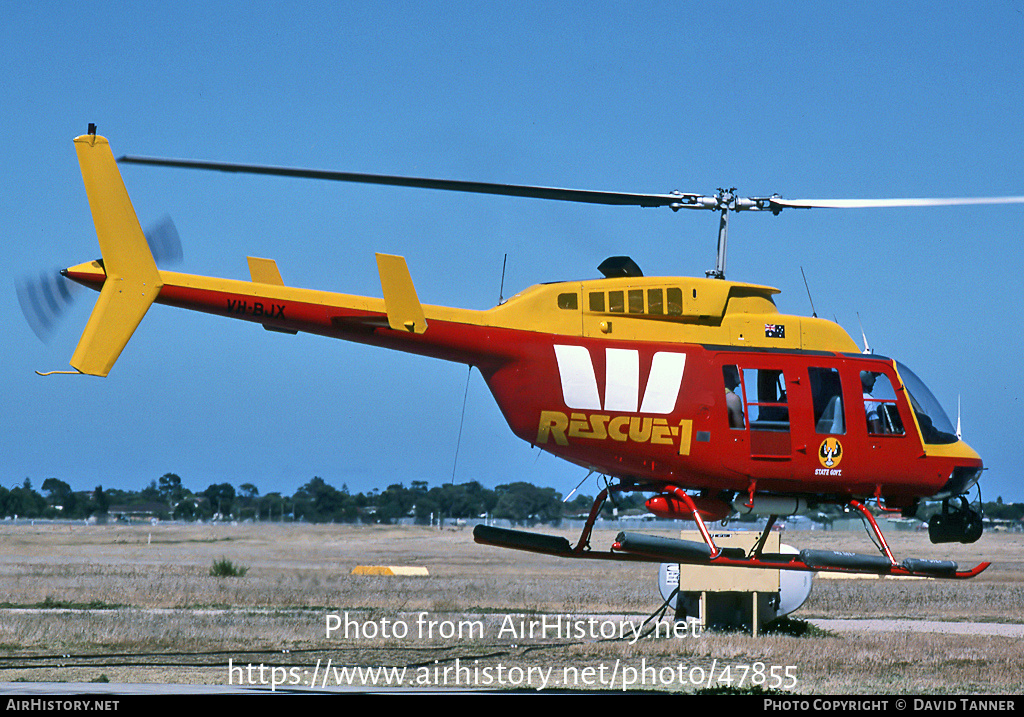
(805, 99)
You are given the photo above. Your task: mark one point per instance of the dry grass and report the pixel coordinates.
(138, 604)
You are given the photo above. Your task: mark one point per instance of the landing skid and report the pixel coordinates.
(637, 547)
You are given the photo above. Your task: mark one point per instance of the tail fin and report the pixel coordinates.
(133, 281)
(400, 301)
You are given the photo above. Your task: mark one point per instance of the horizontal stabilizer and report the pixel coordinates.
(264, 271)
(114, 319)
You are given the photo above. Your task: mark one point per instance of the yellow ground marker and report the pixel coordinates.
(387, 570)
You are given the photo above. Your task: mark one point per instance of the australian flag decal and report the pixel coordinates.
(774, 331)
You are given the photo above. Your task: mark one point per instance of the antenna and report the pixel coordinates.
(958, 436)
(501, 290)
(867, 349)
(813, 312)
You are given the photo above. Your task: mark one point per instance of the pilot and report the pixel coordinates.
(872, 408)
(732, 401)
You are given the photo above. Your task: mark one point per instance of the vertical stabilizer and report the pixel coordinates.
(405, 313)
(133, 281)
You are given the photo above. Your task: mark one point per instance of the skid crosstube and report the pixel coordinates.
(655, 549)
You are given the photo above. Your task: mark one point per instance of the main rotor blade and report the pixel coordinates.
(869, 203)
(674, 199)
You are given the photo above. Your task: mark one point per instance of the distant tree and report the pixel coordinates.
(22, 501)
(579, 504)
(524, 502)
(187, 507)
(59, 492)
(150, 494)
(99, 503)
(221, 497)
(249, 507)
(320, 502)
(466, 500)
(394, 503)
(1004, 511)
(170, 488)
(271, 504)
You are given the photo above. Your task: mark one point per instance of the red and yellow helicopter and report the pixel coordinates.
(695, 389)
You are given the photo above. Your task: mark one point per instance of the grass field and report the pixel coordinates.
(139, 604)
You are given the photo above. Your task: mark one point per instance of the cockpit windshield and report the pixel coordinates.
(935, 425)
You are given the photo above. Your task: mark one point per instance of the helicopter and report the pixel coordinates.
(697, 390)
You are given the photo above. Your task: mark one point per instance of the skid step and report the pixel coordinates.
(521, 540)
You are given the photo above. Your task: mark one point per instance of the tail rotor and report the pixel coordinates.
(46, 297)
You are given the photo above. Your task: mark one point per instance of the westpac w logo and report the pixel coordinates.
(622, 380)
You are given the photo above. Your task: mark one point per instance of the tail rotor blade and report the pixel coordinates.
(44, 299)
(164, 242)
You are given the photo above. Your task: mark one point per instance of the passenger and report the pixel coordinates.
(733, 403)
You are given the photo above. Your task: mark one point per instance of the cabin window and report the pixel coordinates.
(674, 297)
(636, 301)
(764, 392)
(827, 400)
(568, 301)
(597, 301)
(733, 402)
(755, 400)
(880, 404)
(655, 302)
(616, 302)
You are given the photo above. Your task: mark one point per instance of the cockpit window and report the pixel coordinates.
(935, 426)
